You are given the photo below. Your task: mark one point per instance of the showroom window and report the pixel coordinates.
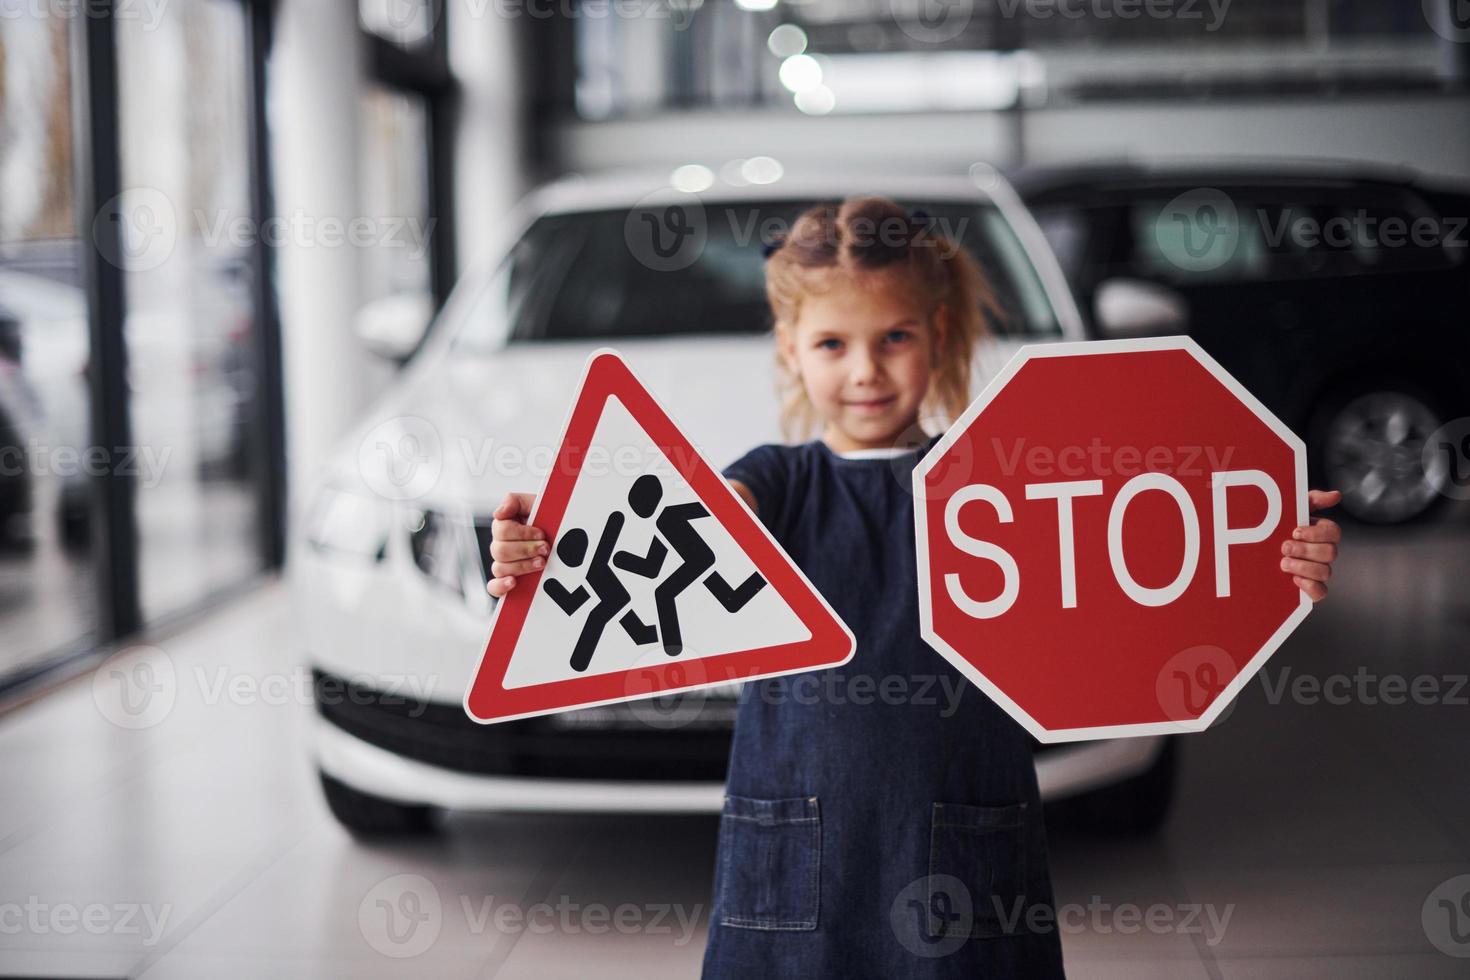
(405, 120)
(140, 428)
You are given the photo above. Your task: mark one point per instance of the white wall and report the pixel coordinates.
(315, 80)
(317, 76)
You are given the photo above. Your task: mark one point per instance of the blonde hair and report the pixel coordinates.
(836, 245)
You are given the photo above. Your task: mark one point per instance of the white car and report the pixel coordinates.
(390, 564)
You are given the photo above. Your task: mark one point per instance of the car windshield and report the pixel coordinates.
(677, 271)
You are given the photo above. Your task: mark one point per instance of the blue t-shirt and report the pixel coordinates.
(848, 785)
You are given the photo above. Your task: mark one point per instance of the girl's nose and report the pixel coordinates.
(864, 368)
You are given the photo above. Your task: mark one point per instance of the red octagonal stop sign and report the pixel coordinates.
(1099, 538)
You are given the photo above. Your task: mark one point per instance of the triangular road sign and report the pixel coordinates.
(660, 578)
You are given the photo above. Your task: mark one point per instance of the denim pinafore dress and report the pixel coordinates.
(881, 818)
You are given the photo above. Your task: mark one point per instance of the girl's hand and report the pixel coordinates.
(516, 548)
(1313, 548)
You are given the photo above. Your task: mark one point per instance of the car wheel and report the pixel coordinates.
(1370, 445)
(367, 815)
(1135, 806)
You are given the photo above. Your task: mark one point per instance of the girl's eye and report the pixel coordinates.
(831, 343)
(899, 336)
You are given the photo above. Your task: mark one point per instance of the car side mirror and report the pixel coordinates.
(394, 326)
(1136, 308)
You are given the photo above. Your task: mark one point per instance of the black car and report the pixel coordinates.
(1337, 295)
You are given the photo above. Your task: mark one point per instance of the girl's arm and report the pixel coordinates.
(745, 495)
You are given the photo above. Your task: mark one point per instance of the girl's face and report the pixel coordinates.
(865, 357)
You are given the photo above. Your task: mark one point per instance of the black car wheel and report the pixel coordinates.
(1370, 445)
(366, 815)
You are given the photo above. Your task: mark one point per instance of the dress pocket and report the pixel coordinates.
(984, 849)
(770, 863)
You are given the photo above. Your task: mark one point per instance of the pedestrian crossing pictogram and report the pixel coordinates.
(657, 568)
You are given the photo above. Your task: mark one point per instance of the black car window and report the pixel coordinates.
(621, 273)
(1193, 238)
(1066, 232)
(1357, 231)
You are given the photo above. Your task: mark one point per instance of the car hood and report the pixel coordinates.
(460, 431)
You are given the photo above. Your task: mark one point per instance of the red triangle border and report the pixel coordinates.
(607, 375)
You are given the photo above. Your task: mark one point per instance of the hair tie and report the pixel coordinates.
(769, 248)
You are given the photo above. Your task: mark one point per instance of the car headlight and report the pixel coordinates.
(438, 548)
(343, 522)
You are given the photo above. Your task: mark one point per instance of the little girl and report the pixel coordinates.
(885, 822)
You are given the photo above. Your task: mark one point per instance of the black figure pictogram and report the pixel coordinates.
(675, 523)
(611, 595)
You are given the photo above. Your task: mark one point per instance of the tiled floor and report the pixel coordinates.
(1306, 843)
